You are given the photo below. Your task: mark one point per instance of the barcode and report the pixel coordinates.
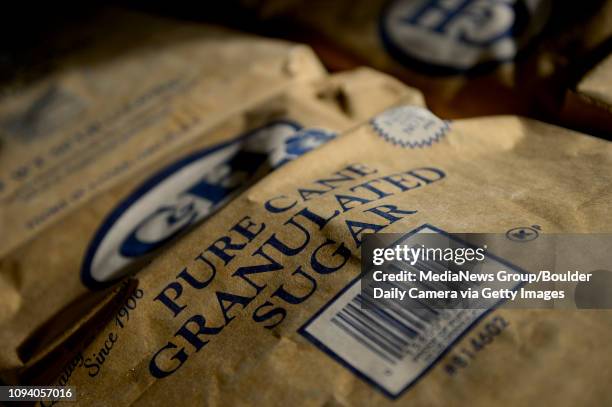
(387, 333)
(392, 343)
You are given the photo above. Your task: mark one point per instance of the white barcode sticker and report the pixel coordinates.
(390, 346)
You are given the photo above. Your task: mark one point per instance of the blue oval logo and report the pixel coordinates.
(449, 37)
(186, 192)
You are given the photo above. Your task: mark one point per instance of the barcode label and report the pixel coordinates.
(385, 342)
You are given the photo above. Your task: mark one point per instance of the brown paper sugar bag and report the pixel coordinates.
(236, 312)
(598, 83)
(338, 101)
(107, 117)
(589, 105)
(76, 218)
(99, 99)
(470, 58)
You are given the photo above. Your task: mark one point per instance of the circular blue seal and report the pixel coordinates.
(410, 126)
(459, 36)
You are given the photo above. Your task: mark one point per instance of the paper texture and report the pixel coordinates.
(598, 83)
(589, 105)
(234, 312)
(470, 58)
(107, 162)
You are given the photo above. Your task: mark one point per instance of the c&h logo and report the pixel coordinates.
(187, 191)
(452, 36)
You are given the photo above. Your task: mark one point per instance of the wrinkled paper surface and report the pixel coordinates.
(221, 317)
(79, 145)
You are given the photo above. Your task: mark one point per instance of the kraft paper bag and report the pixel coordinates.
(104, 163)
(598, 83)
(469, 58)
(589, 105)
(241, 310)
